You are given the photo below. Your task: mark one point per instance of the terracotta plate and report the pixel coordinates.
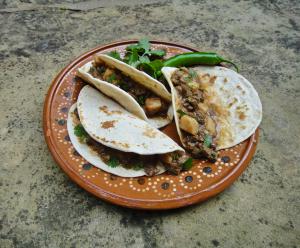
(165, 191)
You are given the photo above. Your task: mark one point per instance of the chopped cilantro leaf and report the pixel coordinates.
(124, 86)
(181, 113)
(132, 58)
(207, 140)
(192, 73)
(153, 68)
(115, 55)
(175, 156)
(158, 53)
(112, 78)
(144, 43)
(138, 166)
(79, 131)
(144, 59)
(113, 162)
(141, 100)
(133, 47)
(187, 164)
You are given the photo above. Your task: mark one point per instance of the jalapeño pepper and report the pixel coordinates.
(196, 58)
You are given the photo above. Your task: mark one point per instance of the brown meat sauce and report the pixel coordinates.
(152, 104)
(196, 117)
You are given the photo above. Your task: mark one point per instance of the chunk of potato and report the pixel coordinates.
(203, 107)
(210, 125)
(152, 105)
(189, 124)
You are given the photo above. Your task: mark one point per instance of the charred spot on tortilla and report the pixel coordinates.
(232, 102)
(108, 124)
(108, 112)
(239, 87)
(212, 79)
(125, 145)
(104, 140)
(242, 116)
(225, 80)
(103, 109)
(149, 132)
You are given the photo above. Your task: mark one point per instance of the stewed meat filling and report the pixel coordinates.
(196, 118)
(152, 104)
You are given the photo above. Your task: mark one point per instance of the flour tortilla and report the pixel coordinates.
(92, 157)
(235, 94)
(122, 97)
(111, 125)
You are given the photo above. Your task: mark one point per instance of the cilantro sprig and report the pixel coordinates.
(142, 57)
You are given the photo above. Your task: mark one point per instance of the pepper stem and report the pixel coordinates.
(235, 66)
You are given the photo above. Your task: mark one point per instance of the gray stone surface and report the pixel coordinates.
(41, 207)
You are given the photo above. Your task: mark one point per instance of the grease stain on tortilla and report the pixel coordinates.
(108, 124)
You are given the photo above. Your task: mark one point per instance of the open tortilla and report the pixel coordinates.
(124, 98)
(240, 104)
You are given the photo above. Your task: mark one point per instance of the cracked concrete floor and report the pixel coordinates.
(41, 207)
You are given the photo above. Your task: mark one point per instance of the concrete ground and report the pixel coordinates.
(41, 207)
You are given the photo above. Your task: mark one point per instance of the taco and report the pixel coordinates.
(136, 91)
(114, 140)
(214, 107)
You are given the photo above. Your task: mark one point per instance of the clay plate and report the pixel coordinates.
(164, 191)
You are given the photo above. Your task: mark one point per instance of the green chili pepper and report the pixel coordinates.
(196, 58)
